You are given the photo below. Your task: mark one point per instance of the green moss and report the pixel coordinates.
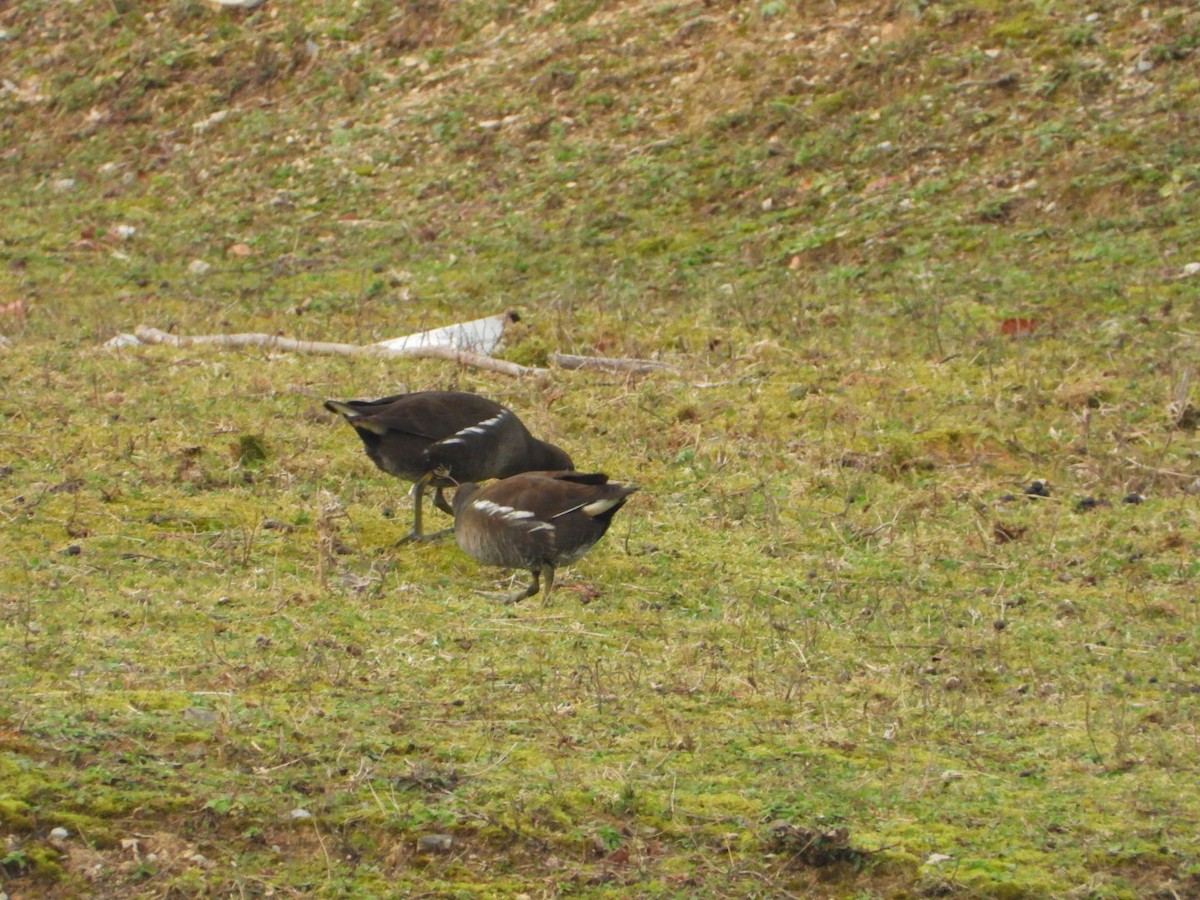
(1022, 27)
(16, 814)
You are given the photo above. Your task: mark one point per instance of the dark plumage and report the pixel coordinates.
(536, 521)
(443, 438)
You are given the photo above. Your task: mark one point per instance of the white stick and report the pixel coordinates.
(148, 335)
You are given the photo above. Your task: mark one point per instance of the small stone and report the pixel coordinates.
(297, 815)
(1134, 498)
(59, 834)
(124, 232)
(435, 843)
(124, 339)
(199, 267)
(208, 122)
(199, 716)
(1192, 268)
(62, 185)
(953, 683)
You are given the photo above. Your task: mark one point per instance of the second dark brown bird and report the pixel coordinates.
(445, 438)
(536, 521)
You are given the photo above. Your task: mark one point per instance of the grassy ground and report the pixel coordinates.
(906, 260)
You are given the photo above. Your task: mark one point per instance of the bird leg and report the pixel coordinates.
(418, 491)
(533, 586)
(440, 501)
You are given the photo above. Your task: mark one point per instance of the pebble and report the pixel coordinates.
(297, 815)
(199, 716)
(199, 267)
(59, 834)
(208, 122)
(435, 843)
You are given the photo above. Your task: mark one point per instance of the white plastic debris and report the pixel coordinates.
(236, 4)
(477, 336)
(124, 339)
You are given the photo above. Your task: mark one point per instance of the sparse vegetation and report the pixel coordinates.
(907, 260)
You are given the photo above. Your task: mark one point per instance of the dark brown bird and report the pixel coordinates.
(443, 438)
(536, 521)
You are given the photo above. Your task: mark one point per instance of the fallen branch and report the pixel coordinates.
(622, 364)
(1170, 473)
(148, 335)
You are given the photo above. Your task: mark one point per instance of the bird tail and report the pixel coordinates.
(611, 504)
(355, 417)
(345, 410)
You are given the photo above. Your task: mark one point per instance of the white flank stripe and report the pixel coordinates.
(477, 428)
(522, 517)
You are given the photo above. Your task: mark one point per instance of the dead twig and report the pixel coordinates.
(623, 364)
(149, 335)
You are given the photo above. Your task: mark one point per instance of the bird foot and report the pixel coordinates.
(506, 599)
(414, 538)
